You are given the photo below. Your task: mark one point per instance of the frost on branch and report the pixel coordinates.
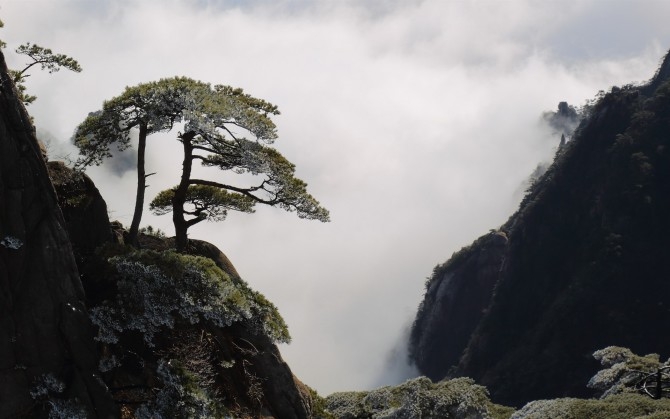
(108, 363)
(416, 398)
(11, 243)
(158, 290)
(180, 396)
(66, 409)
(48, 390)
(46, 384)
(622, 369)
(617, 406)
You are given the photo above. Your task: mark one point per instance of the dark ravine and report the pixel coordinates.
(584, 264)
(44, 327)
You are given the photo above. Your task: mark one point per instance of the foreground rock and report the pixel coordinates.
(47, 352)
(194, 340)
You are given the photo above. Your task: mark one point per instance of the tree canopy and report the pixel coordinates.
(223, 127)
(155, 107)
(208, 202)
(148, 107)
(45, 58)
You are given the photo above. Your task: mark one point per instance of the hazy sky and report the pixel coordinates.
(414, 122)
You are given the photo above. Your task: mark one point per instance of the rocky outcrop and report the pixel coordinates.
(47, 354)
(259, 368)
(84, 209)
(585, 263)
(50, 363)
(457, 297)
(238, 363)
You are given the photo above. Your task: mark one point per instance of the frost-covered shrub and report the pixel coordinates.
(108, 363)
(181, 396)
(619, 400)
(157, 290)
(66, 409)
(345, 405)
(319, 406)
(46, 384)
(11, 242)
(48, 389)
(618, 406)
(622, 369)
(414, 399)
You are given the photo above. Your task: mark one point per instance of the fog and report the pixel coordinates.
(413, 122)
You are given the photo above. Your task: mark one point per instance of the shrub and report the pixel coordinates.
(48, 390)
(622, 369)
(416, 398)
(158, 290)
(618, 406)
(181, 396)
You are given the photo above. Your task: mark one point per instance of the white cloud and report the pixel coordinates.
(413, 122)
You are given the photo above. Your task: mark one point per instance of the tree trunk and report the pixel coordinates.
(141, 186)
(179, 199)
(45, 332)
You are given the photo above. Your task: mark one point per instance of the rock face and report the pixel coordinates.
(45, 342)
(254, 381)
(584, 267)
(83, 207)
(456, 299)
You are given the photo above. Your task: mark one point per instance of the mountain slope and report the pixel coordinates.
(48, 357)
(584, 265)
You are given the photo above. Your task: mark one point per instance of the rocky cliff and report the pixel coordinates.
(192, 366)
(48, 357)
(456, 300)
(91, 327)
(582, 265)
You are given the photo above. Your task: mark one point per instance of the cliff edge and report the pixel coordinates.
(49, 360)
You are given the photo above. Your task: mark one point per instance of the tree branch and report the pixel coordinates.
(243, 191)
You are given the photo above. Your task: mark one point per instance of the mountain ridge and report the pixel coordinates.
(559, 288)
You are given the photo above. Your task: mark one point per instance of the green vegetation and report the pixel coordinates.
(319, 405)
(623, 370)
(45, 58)
(620, 406)
(223, 128)
(148, 107)
(171, 325)
(48, 392)
(208, 202)
(462, 398)
(584, 265)
(158, 291)
(182, 395)
(154, 232)
(418, 398)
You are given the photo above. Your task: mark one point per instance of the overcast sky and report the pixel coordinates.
(414, 122)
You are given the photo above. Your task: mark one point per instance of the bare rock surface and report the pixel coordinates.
(44, 329)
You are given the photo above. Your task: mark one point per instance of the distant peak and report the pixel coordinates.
(661, 76)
